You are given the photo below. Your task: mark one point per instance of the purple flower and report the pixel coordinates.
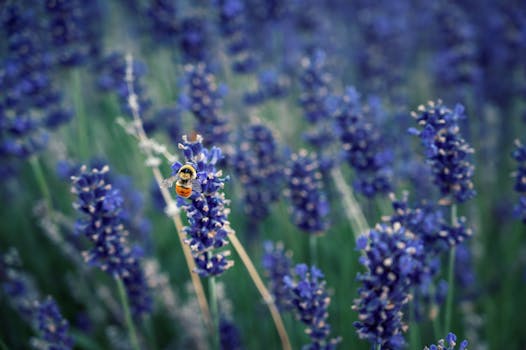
(205, 102)
(112, 77)
(30, 104)
(449, 343)
(101, 206)
(206, 210)
(446, 151)
(44, 316)
(277, 264)
(163, 20)
(73, 26)
(363, 146)
(53, 328)
(310, 302)
(309, 204)
(229, 335)
(393, 259)
(257, 164)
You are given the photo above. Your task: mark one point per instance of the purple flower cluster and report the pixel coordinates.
(393, 259)
(258, 167)
(102, 224)
(205, 101)
(163, 20)
(271, 85)
(309, 204)
(206, 210)
(277, 264)
(44, 315)
(449, 343)
(447, 152)
(30, 103)
(428, 224)
(519, 154)
(232, 22)
(229, 336)
(456, 63)
(310, 301)
(74, 30)
(194, 39)
(363, 147)
(112, 77)
(53, 328)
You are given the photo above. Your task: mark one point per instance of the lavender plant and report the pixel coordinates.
(101, 223)
(309, 204)
(310, 301)
(449, 343)
(206, 210)
(393, 259)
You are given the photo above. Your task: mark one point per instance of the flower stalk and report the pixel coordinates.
(265, 294)
(172, 211)
(127, 315)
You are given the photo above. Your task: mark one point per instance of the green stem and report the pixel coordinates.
(212, 295)
(83, 341)
(150, 332)
(313, 247)
(80, 114)
(378, 346)
(3, 346)
(414, 331)
(450, 277)
(41, 180)
(127, 315)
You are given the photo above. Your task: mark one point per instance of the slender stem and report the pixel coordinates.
(313, 245)
(214, 311)
(450, 277)
(265, 294)
(353, 211)
(41, 179)
(3, 346)
(379, 346)
(80, 114)
(140, 134)
(150, 332)
(127, 315)
(414, 331)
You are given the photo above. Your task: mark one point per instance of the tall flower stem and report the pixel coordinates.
(450, 277)
(172, 211)
(313, 247)
(265, 294)
(127, 315)
(80, 114)
(212, 298)
(41, 179)
(414, 331)
(352, 208)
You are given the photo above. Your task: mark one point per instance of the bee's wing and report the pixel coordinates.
(167, 183)
(196, 186)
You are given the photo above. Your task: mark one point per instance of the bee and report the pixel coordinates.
(185, 181)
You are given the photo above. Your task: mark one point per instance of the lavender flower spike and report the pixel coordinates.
(447, 152)
(53, 328)
(305, 190)
(207, 210)
(102, 224)
(448, 344)
(392, 256)
(310, 302)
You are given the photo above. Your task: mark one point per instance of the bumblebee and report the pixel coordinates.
(185, 181)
